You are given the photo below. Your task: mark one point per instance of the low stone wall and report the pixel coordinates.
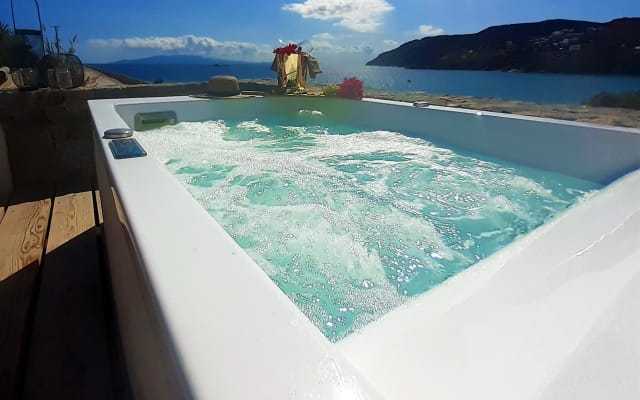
(49, 132)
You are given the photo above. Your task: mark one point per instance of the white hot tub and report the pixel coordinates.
(552, 315)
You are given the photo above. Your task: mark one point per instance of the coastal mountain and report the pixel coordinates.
(179, 60)
(557, 46)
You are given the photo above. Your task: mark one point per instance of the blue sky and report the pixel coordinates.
(345, 30)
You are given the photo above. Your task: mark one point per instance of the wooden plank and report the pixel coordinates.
(22, 238)
(27, 194)
(72, 183)
(3, 203)
(72, 216)
(22, 234)
(69, 357)
(99, 207)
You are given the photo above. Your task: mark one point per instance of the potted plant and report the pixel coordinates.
(351, 88)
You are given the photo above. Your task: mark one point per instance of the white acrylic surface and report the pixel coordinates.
(235, 333)
(511, 326)
(551, 316)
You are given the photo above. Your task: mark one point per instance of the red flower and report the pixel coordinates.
(289, 49)
(351, 88)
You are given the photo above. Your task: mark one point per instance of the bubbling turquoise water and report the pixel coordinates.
(351, 224)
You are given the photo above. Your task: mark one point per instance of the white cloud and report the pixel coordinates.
(327, 47)
(357, 15)
(326, 44)
(323, 36)
(390, 44)
(189, 44)
(340, 52)
(430, 30)
(104, 43)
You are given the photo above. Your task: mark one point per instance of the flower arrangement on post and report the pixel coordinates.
(291, 48)
(351, 88)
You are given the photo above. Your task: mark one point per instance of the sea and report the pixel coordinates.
(536, 88)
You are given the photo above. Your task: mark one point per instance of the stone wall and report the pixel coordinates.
(49, 132)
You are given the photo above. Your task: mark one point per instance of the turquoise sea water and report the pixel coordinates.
(537, 88)
(350, 224)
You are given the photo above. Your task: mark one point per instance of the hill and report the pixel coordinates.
(558, 46)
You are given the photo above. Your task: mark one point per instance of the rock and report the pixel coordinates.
(223, 86)
(4, 75)
(6, 82)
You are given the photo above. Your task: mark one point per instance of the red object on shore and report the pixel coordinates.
(351, 88)
(292, 48)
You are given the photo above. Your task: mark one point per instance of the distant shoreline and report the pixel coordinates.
(531, 87)
(596, 115)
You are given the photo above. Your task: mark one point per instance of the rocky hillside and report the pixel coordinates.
(559, 46)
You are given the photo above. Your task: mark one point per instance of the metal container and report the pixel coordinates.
(63, 78)
(29, 77)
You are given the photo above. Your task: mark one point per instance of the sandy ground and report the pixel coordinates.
(92, 78)
(595, 115)
(95, 79)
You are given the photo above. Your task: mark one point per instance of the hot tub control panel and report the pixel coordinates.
(126, 148)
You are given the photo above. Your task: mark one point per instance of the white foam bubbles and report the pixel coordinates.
(352, 225)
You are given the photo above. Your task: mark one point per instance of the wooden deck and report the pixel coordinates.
(57, 332)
